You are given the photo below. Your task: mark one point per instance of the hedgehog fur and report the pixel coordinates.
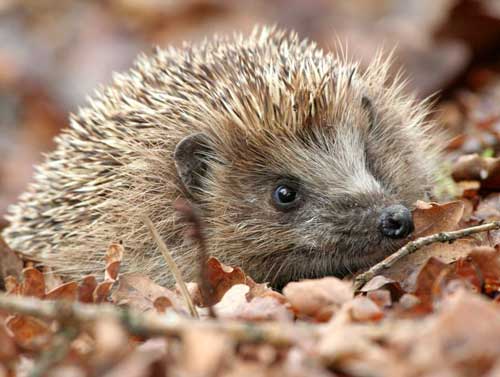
(270, 107)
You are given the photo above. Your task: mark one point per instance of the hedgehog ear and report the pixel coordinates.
(190, 158)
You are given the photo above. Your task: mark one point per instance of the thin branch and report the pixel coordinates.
(172, 266)
(59, 349)
(413, 246)
(195, 232)
(152, 324)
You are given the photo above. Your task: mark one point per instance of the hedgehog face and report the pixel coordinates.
(326, 200)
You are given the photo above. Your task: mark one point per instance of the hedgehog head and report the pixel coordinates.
(310, 167)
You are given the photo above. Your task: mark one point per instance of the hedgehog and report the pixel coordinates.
(301, 163)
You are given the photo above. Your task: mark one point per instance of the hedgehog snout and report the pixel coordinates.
(396, 221)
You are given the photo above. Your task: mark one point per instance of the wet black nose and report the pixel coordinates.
(396, 221)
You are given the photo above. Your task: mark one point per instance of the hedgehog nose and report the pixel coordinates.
(396, 221)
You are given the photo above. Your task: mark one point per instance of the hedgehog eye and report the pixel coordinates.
(285, 196)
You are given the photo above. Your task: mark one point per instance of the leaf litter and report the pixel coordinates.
(434, 313)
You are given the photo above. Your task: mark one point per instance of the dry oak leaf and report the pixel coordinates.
(221, 278)
(102, 291)
(364, 309)
(320, 298)
(463, 335)
(380, 282)
(114, 256)
(476, 168)
(381, 297)
(232, 299)
(67, 291)
(111, 341)
(33, 283)
(12, 285)
(28, 332)
(238, 303)
(432, 218)
(352, 349)
(487, 260)
(406, 272)
(263, 290)
(86, 289)
(8, 349)
(148, 359)
(426, 280)
(140, 292)
(488, 208)
(205, 352)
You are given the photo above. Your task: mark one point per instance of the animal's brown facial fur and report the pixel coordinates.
(342, 172)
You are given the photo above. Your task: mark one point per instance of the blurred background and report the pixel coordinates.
(54, 53)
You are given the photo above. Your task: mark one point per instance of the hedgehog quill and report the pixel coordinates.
(301, 164)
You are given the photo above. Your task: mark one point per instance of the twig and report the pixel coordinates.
(172, 266)
(195, 233)
(413, 246)
(59, 349)
(152, 324)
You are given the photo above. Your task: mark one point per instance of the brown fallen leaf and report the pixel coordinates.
(318, 299)
(102, 291)
(351, 349)
(148, 359)
(426, 279)
(262, 309)
(382, 282)
(221, 278)
(111, 341)
(86, 289)
(431, 218)
(140, 292)
(67, 291)
(33, 283)
(464, 335)
(487, 261)
(205, 353)
(405, 270)
(409, 302)
(477, 168)
(468, 271)
(113, 258)
(235, 297)
(381, 297)
(364, 309)
(8, 349)
(12, 285)
(29, 332)
(488, 208)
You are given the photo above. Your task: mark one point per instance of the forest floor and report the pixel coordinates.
(434, 312)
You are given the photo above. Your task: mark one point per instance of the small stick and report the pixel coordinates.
(59, 349)
(151, 324)
(172, 266)
(413, 246)
(194, 232)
